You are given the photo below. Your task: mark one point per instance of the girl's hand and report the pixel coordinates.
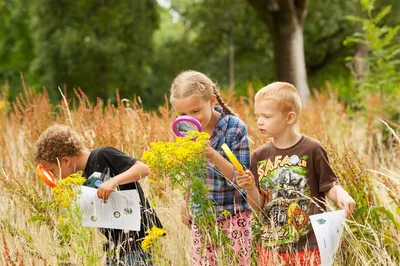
(346, 202)
(185, 216)
(105, 189)
(210, 152)
(245, 180)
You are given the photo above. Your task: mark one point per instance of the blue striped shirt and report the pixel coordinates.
(227, 196)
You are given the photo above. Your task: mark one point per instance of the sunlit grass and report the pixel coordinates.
(367, 165)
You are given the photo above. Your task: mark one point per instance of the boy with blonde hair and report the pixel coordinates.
(292, 177)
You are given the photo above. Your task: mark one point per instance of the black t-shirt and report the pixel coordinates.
(118, 162)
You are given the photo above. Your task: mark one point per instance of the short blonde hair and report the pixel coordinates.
(57, 141)
(284, 94)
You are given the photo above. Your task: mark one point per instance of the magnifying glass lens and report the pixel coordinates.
(183, 124)
(46, 175)
(185, 127)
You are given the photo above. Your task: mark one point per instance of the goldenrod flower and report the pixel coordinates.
(65, 192)
(174, 157)
(62, 220)
(151, 236)
(225, 214)
(3, 107)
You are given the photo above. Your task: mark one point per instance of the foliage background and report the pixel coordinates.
(92, 47)
(140, 46)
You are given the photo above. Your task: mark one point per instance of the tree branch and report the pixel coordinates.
(296, 9)
(288, 6)
(301, 6)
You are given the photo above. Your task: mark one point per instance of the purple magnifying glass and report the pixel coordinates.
(185, 123)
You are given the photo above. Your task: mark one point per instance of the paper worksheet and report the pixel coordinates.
(122, 210)
(328, 229)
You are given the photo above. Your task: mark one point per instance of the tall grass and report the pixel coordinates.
(366, 165)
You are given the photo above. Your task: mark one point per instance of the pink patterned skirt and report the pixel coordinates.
(238, 230)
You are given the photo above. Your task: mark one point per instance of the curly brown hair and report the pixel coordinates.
(57, 141)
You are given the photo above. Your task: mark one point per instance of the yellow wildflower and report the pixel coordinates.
(62, 220)
(151, 236)
(3, 107)
(65, 192)
(172, 157)
(225, 214)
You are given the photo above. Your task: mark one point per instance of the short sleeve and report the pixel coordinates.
(253, 168)
(119, 160)
(324, 172)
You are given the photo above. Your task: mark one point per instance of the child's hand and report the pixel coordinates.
(185, 216)
(210, 152)
(245, 180)
(104, 190)
(346, 202)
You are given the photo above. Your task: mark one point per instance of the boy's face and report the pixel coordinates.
(195, 107)
(61, 170)
(271, 121)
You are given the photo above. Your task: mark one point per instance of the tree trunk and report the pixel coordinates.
(289, 59)
(360, 65)
(284, 19)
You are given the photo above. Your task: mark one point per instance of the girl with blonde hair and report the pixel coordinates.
(194, 94)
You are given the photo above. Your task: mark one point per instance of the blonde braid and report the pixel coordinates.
(221, 102)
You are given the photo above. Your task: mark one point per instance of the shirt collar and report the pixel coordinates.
(222, 124)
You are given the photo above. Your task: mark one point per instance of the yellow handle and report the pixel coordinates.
(233, 159)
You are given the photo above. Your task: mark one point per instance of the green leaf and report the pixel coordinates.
(36, 218)
(382, 14)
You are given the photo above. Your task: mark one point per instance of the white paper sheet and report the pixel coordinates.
(328, 228)
(122, 210)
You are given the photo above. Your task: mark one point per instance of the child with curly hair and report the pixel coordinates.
(61, 150)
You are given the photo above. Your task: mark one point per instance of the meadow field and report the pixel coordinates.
(363, 145)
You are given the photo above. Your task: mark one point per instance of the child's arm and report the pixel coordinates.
(239, 147)
(224, 166)
(133, 174)
(340, 196)
(246, 181)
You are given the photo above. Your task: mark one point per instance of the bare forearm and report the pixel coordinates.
(340, 196)
(255, 199)
(225, 167)
(333, 192)
(133, 174)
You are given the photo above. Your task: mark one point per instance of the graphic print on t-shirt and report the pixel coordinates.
(285, 213)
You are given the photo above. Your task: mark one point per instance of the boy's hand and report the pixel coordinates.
(245, 180)
(105, 189)
(185, 216)
(346, 202)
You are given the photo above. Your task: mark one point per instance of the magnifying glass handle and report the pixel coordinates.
(233, 159)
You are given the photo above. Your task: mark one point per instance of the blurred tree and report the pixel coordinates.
(285, 20)
(100, 46)
(223, 39)
(97, 45)
(212, 28)
(15, 44)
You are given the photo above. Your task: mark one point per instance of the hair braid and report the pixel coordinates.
(222, 103)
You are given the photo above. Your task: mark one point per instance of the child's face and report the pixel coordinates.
(271, 121)
(195, 107)
(61, 170)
